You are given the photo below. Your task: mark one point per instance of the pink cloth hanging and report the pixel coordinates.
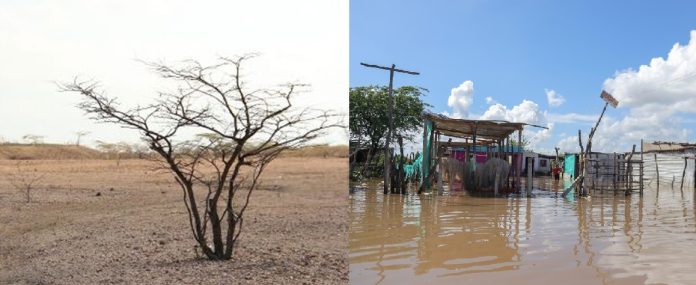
(481, 158)
(459, 155)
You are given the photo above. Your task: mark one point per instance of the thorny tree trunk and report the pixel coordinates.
(352, 157)
(368, 162)
(24, 180)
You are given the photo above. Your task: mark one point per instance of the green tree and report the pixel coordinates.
(369, 120)
(524, 144)
(33, 139)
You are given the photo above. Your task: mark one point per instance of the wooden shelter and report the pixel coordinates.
(492, 138)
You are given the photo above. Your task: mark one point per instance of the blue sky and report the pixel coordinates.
(518, 50)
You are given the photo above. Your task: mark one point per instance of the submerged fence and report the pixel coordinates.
(670, 169)
(614, 172)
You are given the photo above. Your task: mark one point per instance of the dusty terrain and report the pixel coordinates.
(92, 222)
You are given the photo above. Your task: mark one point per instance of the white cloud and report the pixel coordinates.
(569, 145)
(659, 102)
(619, 135)
(537, 137)
(667, 82)
(461, 98)
(554, 98)
(655, 95)
(526, 112)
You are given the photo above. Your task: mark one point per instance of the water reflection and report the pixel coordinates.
(457, 238)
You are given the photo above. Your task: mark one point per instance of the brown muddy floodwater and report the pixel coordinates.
(461, 239)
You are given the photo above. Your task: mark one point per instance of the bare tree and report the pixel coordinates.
(33, 139)
(24, 180)
(216, 173)
(116, 150)
(80, 134)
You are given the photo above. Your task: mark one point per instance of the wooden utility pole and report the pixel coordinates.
(390, 107)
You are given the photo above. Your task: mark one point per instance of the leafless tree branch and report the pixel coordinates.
(241, 132)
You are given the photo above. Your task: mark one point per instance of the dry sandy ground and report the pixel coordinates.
(136, 231)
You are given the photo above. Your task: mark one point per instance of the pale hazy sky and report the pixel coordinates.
(42, 42)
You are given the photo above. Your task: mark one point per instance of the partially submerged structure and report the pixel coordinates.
(485, 157)
(614, 172)
(670, 163)
(617, 172)
(541, 163)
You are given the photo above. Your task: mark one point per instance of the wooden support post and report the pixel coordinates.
(694, 175)
(387, 153)
(579, 181)
(596, 171)
(495, 183)
(402, 185)
(440, 171)
(683, 175)
(424, 163)
(629, 171)
(431, 165)
(616, 169)
(642, 168)
(641, 149)
(657, 171)
(387, 150)
(472, 173)
(518, 181)
(530, 179)
(466, 150)
(506, 155)
(500, 149)
(674, 177)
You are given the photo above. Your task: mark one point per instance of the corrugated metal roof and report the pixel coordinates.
(484, 129)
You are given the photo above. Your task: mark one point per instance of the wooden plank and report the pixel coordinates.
(609, 99)
(391, 69)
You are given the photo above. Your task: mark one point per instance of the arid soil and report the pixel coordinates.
(96, 222)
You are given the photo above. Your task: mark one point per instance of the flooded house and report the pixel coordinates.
(541, 163)
(486, 157)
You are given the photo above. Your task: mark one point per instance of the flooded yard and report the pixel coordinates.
(457, 238)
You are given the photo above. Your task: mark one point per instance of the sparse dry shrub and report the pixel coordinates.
(24, 179)
(244, 130)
